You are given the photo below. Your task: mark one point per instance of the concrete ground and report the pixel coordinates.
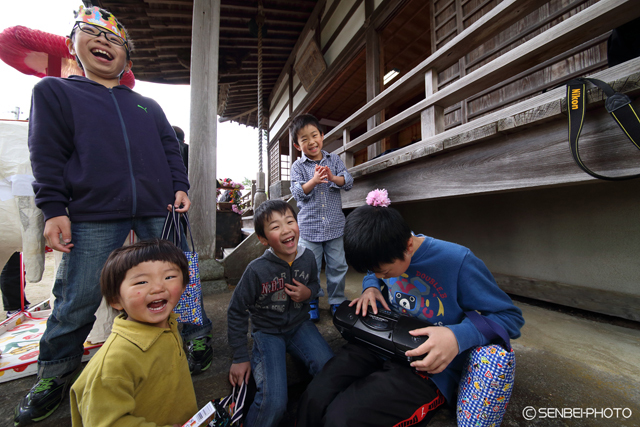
(567, 365)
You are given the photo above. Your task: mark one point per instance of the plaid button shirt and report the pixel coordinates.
(320, 217)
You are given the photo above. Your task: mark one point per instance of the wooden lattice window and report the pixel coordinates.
(274, 164)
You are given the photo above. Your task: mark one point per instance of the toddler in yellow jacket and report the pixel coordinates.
(140, 376)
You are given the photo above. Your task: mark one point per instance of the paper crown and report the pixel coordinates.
(101, 18)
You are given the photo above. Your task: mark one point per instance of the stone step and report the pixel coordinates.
(247, 221)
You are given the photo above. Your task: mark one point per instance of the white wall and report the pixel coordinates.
(586, 235)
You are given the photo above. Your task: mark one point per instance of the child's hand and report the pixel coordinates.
(441, 348)
(53, 228)
(181, 200)
(297, 291)
(239, 373)
(369, 297)
(319, 176)
(328, 173)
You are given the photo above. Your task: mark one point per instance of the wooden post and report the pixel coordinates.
(432, 118)
(372, 75)
(292, 154)
(203, 124)
(347, 156)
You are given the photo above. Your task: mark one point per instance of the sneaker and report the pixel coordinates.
(334, 307)
(314, 313)
(12, 312)
(44, 398)
(199, 354)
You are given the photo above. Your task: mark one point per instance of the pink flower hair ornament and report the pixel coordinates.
(378, 197)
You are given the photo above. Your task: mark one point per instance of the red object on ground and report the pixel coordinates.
(36, 53)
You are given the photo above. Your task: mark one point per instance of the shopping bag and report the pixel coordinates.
(487, 378)
(189, 308)
(224, 412)
(229, 410)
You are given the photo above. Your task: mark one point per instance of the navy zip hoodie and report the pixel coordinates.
(102, 153)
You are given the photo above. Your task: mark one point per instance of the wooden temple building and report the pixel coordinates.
(456, 107)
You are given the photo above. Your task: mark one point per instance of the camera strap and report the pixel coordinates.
(616, 104)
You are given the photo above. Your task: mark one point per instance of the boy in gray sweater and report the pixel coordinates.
(275, 291)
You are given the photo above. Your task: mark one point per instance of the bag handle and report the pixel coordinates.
(616, 104)
(237, 400)
(186, 220)
(491, 330)
(173, 224)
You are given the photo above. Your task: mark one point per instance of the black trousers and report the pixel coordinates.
(357, 388)
(10, 284)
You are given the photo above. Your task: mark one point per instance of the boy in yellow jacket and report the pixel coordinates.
(140, 376)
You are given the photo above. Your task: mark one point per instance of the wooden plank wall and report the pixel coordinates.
(452, 17)
(333, 27)
(522, 146)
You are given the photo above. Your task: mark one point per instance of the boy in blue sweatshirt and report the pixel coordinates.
(105, 161)
(419, 276)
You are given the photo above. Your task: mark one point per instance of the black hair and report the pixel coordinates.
(179, 133)
(299, 122)
(125, 258)
(263, 214)
(128, 45)
(375, 235)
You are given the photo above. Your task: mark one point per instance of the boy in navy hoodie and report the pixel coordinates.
(105, 161)
(419, 276)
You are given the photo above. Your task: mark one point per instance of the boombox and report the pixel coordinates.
(385, 333)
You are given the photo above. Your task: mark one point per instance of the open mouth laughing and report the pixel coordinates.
(99, 53)
(290, 242)
(157, 306)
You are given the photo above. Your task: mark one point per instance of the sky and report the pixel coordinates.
(237, 145)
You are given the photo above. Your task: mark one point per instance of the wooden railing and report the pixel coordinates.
(580, 28)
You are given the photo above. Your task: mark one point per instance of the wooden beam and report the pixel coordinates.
(500, 17)
(203, 125)
(347, 157)
(342, 24)
(601, 17)
(237, 116)
(432, 118)
(173, 2)
(372, 75)
(534, 110)
(498, 156)
(301, 36)
(169, 13)
(618, 304)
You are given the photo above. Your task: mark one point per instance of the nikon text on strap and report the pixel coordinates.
(617, 104)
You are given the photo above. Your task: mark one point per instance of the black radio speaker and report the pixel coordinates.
(385, 333)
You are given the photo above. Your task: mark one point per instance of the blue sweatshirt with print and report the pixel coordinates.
(443, 281)
(102, 153)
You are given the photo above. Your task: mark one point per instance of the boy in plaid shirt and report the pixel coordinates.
(316, 180)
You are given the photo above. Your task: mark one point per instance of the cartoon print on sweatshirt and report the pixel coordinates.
(412, 295)
(272, 294)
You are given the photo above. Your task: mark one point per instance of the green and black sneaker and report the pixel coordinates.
(199, 354)
(43, 399)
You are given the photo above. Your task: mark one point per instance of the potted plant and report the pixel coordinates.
(232, 198)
